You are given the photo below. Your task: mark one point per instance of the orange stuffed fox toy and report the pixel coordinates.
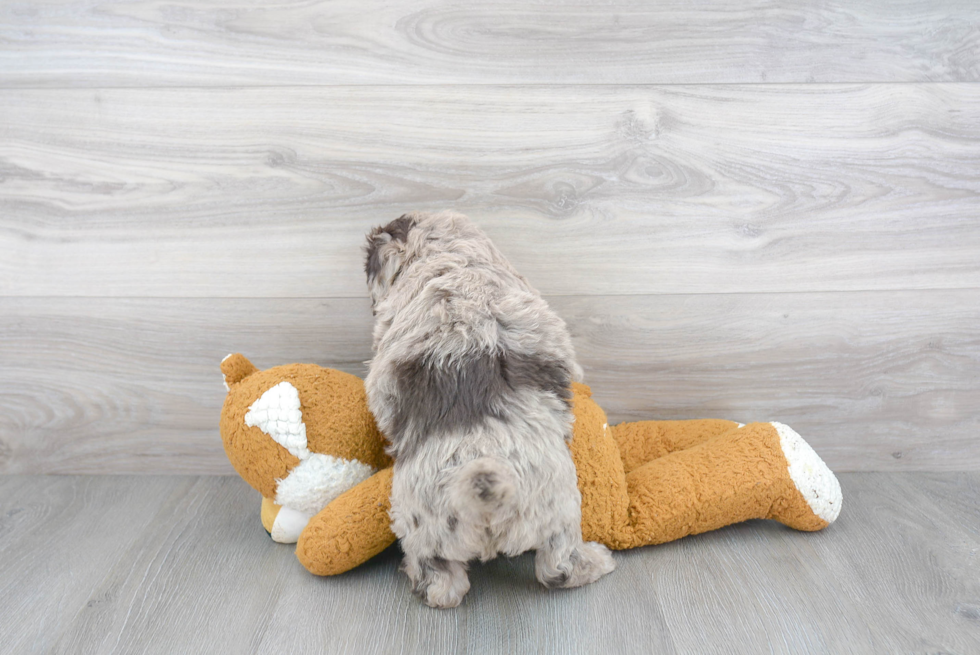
(303, 437)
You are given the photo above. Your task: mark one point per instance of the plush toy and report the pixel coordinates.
(303, 437)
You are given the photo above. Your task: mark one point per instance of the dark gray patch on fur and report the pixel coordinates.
(398, 228)
(415, 521)
(372, 259)
(452, 523)
(549, 375)
(398, 231)
(484, 484)
(451, 396)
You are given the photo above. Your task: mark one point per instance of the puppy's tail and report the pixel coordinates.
(485, 486)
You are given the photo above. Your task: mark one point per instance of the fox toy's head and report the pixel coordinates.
(300, 434)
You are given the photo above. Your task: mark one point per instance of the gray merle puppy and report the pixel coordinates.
(470, 382)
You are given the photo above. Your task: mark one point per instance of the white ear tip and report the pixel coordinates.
(224, 380)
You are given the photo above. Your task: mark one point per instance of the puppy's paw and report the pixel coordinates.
(440, 583)
(585, 563)
(594, 561)
(444, 594)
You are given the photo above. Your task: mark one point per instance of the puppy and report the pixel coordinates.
(470, 382)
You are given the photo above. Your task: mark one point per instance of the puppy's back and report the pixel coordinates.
(461, 338)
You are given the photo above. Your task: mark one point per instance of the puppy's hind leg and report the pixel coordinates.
(566, 561)
(437, 581)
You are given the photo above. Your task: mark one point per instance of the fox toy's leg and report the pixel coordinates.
(350, 530)
(762, 470)
(644, 441)
(268, 514)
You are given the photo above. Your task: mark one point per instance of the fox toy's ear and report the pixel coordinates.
(385, 253)
(236, 368)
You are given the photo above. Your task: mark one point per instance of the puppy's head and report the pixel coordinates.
(385, 254)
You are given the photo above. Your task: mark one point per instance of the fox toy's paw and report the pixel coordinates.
(283, 524)
(818, 501)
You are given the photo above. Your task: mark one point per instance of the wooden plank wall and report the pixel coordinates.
(769, 211)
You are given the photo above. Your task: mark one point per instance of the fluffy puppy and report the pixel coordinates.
(470, 382)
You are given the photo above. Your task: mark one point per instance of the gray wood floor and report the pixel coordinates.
(115, 564)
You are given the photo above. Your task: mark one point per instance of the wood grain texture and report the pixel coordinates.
(873, 380)
(894, 573)
(58, 537)
(191, 570)
(241, 42)
(604, 190)
(133, 385)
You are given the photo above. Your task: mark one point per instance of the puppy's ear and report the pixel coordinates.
(385, 255)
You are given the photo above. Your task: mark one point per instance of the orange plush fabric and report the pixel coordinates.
(641, 483)
(335, 412)
(353, 531)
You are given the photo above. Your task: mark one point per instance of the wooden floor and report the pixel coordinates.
(180, 564)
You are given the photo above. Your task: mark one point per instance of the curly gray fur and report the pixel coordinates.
(470, 382)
